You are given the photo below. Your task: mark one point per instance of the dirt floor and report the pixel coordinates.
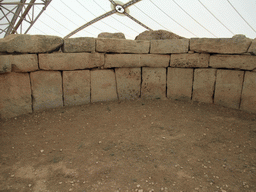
(141, 146)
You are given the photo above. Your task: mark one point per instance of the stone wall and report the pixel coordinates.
(41, 72)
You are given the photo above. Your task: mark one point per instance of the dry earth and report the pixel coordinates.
(141, 145)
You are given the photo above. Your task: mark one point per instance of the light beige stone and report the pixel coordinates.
(235, 45)
(21, 43)
(179, 83)
(79, 44)
(203, 85)
(157, 34)
(136, 60)
(128, 83)
(190, 60)
(76, 87)
(248, 101)
(15, 97)
(111, 35)
(246, 62)
(5, 64)
(153, 83)
(169, 46)
(252, 48)
(46, 89)
(122, 46)
(103, 85)
(70, 61)
(228, 88)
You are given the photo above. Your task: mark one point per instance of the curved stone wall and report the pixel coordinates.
(40, 72)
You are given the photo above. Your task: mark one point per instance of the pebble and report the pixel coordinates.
(42, 151)
(29, 185)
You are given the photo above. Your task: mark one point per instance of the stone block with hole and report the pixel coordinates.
(46, 89)
(169, 46)
(76, 87)
(228, 88)
(179, 83)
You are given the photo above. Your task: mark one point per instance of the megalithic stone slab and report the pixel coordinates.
(70, 61)
(248, 101)
(228, 88)
(5, 64)
(153, 83)
(128, 82)
(252, 48)
(190, 60)
(15, 97)
(168, 46)
(76, 87)
(103, 85)
(79, 44)
(204, 84)
(122, 46)
(46, 89)
(30, 43)
(179, 83)
(235, 45)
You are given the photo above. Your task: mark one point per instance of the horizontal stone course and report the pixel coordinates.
(190, 60)
(169, 46)
(79, 44)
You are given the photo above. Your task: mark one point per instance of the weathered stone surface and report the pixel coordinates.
(157, 35)
(103, 85)
(122, 46)
(252, 48)
(179, 83)
(153, 83)
(79, 44)
(76, 87)
(30, 43)
(128, 83)
(248, 101)
(46, 89)
(203, 86)
(246, 62)
(5, 63)
(228, 88)
(15, 97)
(136, 60)
(169, 46)
(111, 35)
(235, 45)
(70, 61)
(190, 60)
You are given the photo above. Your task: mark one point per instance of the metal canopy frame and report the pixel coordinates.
(20, 12)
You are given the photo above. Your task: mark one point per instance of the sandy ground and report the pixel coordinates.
(141, 145)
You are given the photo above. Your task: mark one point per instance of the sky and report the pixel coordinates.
(187, 18)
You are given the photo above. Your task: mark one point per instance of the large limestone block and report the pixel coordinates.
(246, 62)
(190, 60)
(103, 85)
(228, 88)
(79, 44)
(30, 43)
(235, 45)
(5, 64)
(136, 60)
(169, 46)
(122, 46)
(158, 34)
(128, 82)
(111, 35)
(70, 61)
(179, 83)
(15, 95)
(153, 83)
(252, 48)
(248, 101)
(203, 86)
(46, 89)
(76, 87)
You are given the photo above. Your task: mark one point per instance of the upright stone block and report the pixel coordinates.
(153, 83)
(122, 46)
(79, 44)
(46, 89)
(190, 60)
(248, 102)
(103, 85)
(70, 61)
(168, 46)
(204, 84)
(128, 83)
(76, 87)
(15, 97)
(179, 83)
(228, 88)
